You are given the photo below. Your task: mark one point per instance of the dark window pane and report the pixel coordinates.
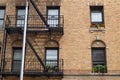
(16, 66)
(98, 55)
(99, 61)
(17, 56)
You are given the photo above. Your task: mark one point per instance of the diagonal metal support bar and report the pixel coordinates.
(36, 53)
(39, 59)
(39, 13)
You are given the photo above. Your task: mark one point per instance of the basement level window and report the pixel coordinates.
(96, 13)
(2, 13)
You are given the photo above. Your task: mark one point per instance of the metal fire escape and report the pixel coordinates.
(10, 28)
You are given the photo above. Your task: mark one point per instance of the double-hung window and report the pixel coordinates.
(52, 57)
(53, 16)
(98, 56)
(97, 14)
(17, 57)
(99, 60)
(20, 17)
(2, 12)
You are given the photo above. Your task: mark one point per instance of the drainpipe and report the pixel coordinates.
(24, 44)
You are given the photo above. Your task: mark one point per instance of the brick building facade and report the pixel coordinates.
(66, 39)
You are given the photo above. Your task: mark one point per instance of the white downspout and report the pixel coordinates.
(24, 44)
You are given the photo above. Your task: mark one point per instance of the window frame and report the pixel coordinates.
(20, 19)
(12, 68)
(2, 19)
(97, 8)
(53, 8)
(97, 62)
(53, 48)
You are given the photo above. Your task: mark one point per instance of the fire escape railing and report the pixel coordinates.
(39, 13)
(40, 21)
(35, 22)
(38, 57)
(56, 23)
(32, 66)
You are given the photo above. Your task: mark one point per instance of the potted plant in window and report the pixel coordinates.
(97, 25)
(94, 27)
(51, 68)
(99, 68)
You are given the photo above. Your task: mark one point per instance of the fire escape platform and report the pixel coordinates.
(35, 29)
(35, 25)
(33, 73)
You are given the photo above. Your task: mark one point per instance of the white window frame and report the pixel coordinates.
(53, 17)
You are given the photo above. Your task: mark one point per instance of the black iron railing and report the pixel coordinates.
(35, 21)
(55, 23)
(33, 66)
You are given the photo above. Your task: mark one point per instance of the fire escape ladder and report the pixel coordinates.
(39, 13)
(38, 57)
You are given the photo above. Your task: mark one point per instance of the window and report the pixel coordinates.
(97, 14)
(53, 16)
(20, 16)
(2, 12)
(99, 60)
(17, 56)
(52, 57)
(98, 57)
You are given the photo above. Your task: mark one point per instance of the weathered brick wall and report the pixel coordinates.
(75, 44)
(77, 40)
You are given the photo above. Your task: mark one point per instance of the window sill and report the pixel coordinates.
(94, 29)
